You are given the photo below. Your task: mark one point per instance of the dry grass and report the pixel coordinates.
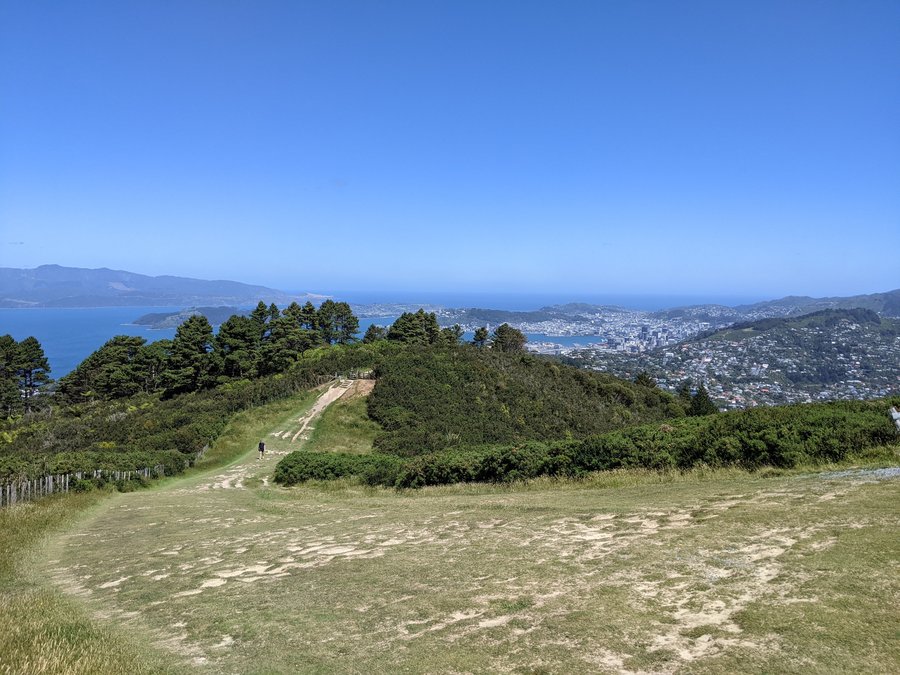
(41, 629)
(710, 571)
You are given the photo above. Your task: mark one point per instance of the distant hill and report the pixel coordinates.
(215, 315)
(56, 286)
(855, 347)
(886, 304)
(823, 319)
(828, 354)
(431, 399)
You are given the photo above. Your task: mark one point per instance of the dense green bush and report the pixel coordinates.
(497, 464)
(301, 466)
(782, 437)
(430, 399)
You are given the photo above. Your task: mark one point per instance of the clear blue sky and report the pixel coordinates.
(745, 148)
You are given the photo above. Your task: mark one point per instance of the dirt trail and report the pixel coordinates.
(330, 396)
(254, 467)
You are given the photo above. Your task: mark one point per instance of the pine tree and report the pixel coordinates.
(415, 328)
(115, 370)
(294, 312)
(326, 320)
(32, 368)
(10, 396)
(260, 316)
(153, 359)
(701, 403)
(643, 379)
(237, 344)
(191, 365)
(309, 317)
(508, 339)
(346, 324)
(451, 335)
(374, 333)
(684, 394)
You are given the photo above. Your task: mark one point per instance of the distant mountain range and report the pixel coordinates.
(57, 286)
(885, 304)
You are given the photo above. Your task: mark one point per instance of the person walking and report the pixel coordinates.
(262, 449)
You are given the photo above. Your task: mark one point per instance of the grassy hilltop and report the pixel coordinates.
(630, 570)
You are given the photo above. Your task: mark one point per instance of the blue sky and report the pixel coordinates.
(580, 148)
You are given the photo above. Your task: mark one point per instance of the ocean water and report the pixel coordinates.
(68, 335)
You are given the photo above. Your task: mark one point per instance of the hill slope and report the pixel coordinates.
(57, 286)
(829, 354)
(886, 304)
(430, 399)
(622, 571)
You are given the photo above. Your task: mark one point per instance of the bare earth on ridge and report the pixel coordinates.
(728, 574)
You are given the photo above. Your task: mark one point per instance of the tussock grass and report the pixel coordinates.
(41, 629)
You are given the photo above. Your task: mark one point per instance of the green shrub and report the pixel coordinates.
(428, 399)
(301, 466)
(780, 437)
(145, 431)
(82, 485)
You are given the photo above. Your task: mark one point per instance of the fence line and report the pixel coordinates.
(27, 490)
(30, 489)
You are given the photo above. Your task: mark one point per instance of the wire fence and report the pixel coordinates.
(30, 489)
(37, 488)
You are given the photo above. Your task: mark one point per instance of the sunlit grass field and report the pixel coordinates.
(709, 571)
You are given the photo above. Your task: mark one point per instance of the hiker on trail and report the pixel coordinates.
(262, 449)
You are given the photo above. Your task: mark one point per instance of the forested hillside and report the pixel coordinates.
(822, 319)
(147, 430)
(447, 410)
(266, 342)
(428, 399)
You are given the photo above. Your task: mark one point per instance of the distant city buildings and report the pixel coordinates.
(846, 361)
